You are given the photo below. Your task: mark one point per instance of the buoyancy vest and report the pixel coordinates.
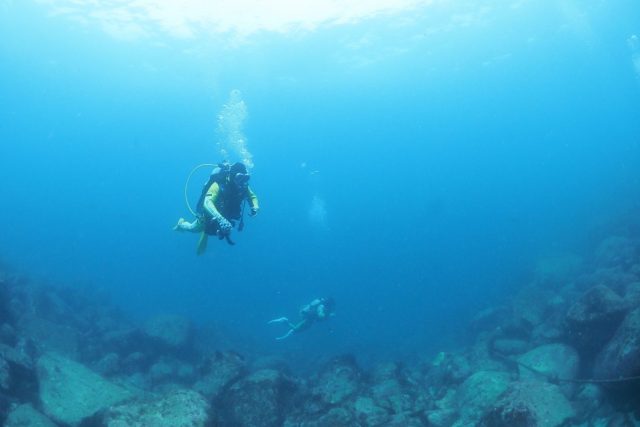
(220, 174)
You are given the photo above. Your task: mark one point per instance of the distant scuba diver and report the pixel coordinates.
(317, 310)
(221, 203)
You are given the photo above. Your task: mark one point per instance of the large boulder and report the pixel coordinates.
(334, 417)
(171, 331)
(445, 370)
(593, 319)
(588, 401)
(632, 295)
(614, 278)
(163, 371)
(217, 372)
(530, 308)
(338, 380)
(27, 416)
(547, 332)
(392, 390)
(441, 417)
(369, 413)
(618, 419)
(259, 400)
(50, 304)
(50, 336)
(478, 393)
(550, 361)
(70, 392)
(482, 357)
(529, 404)
(17, 373)
(621, 356)
(557, 269)
(109, 364)
(181, 408)
(509, 347)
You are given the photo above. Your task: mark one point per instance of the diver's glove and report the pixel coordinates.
(254, 211)
(224, 227)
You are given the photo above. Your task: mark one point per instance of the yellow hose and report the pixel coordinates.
(186, 185)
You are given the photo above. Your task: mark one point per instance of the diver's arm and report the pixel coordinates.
(253, 201)
(210, 199)
(210, 206)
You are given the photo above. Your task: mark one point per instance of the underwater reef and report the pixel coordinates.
(563, 351)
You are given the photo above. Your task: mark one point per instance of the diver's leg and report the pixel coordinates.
(287, 335)
(283, 320)
(184, 225)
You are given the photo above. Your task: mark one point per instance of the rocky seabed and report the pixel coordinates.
(563, 351)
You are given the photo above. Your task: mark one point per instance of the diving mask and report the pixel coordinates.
(241, 179)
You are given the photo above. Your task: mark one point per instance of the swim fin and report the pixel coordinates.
(202, 243)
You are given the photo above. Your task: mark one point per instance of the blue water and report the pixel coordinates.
(413, 164)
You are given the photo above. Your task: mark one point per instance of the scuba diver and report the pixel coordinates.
(221, 204)
(317, 310)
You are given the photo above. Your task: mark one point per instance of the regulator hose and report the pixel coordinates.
(186, 184)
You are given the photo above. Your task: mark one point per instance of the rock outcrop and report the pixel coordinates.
(594, 318)
(340, 379)
(170, 331)
(529, 404)
(71, 393)
(259, 400)
(27, 416)
(478, 393)
(181, 408)
(621, 357)
(527, 363)
(554, 361)
(218, 372)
